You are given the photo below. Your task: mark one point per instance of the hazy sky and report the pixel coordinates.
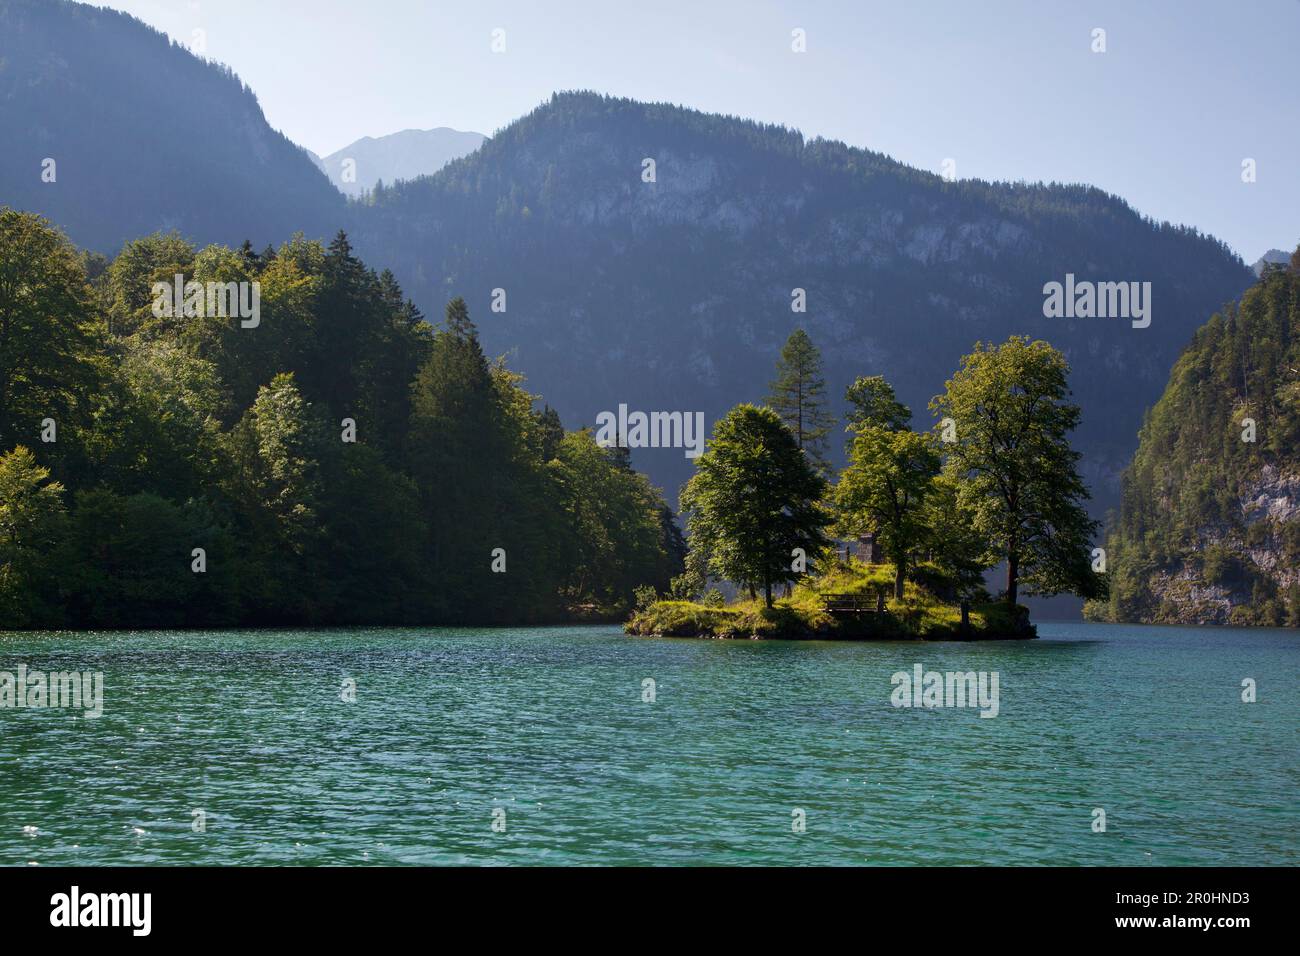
(1009, 89)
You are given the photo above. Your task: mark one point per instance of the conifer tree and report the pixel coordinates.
(798, 396)
(211, 479)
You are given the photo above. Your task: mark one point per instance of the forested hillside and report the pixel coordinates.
(678, 293)
(333, 459)
(142, 136)
(667, 287)
(1209, 529)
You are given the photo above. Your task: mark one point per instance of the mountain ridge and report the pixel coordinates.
(879, 247)
(668, 294)
(138, 128)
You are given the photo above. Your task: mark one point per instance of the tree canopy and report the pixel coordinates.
(1013, 467)
(798, 395)
(338, 461)
(885, 490)
(754, 500)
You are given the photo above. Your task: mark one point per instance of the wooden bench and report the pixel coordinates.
(854, 603)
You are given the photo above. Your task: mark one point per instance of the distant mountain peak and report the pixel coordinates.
(1273, 255)
(406, 154)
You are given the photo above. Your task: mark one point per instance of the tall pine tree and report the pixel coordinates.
(798, 395)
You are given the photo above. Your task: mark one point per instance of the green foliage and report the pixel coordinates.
(32, 521)
(180, 433)
(919, 613)
(1219, 565)
(798, 395)
(872, 403)
(128, 283)
(614, 514)
(1014, 470)
(46, 365)
(893, 488)
(645, 596)
(128, 561)
(754, 499)
(942, 511)
(1183, 547)
(885, 490)
(688, 585)
(957, 548)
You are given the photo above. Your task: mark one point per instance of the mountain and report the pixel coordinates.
(143, 136)
(670, 294)
(1276, 256)
(404, 155)
(1209, 529)
(676, 294)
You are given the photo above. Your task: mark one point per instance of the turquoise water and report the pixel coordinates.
(549, 726)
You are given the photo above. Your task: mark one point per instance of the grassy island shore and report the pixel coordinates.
(922, 614)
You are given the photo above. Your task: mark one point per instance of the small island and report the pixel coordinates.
(993, 482)
(848, 602)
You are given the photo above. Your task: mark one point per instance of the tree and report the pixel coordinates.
(128, 283)
(798, 395)
(616, 517)
(176, 434)
(288, 441)
(376, 531)
(888, 485)
(157, 429)
(397, 350)
(1014, 467)
(885, 489)
(754, 499)
(45, 345)
(456, 457)
(31, 522)
(245, 359)
(129, 561)
(872, 403)
(276, 486)
(957, 550)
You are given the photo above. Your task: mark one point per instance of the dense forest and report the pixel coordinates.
(1209, 527)
(336, 459)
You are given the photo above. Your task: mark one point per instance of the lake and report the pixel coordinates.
(541, 746)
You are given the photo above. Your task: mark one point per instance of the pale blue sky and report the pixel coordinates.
(1010, 89)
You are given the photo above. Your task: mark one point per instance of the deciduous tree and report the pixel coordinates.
(1013, 466)
(755, 498)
